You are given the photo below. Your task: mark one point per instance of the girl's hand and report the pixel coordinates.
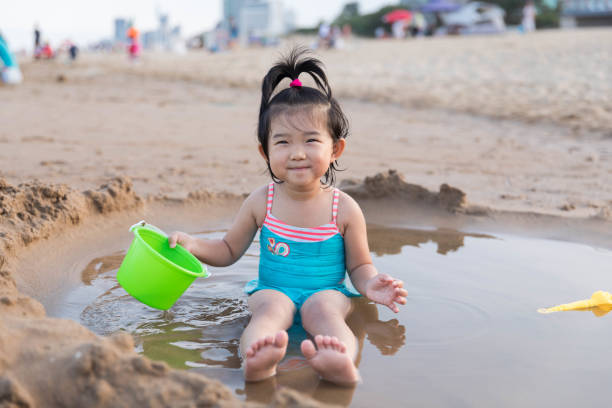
(387, 291)
(185, 240)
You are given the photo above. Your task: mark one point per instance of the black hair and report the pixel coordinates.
(291, 66)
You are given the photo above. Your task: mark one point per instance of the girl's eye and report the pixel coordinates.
(312, 140)
(280, 142)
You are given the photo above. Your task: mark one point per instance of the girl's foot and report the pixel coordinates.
(263, 356)
(330, 360)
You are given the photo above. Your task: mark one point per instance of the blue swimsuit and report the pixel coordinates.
(300, 261)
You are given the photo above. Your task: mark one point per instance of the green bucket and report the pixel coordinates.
(154, 273)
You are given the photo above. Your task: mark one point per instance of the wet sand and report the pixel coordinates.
(518, 126)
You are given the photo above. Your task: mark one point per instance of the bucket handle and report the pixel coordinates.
(144, 224)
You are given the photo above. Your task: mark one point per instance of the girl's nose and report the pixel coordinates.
(297, 154)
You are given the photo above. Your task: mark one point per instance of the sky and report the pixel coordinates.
(85, 21)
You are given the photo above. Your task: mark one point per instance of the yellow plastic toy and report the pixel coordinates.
(600, 304)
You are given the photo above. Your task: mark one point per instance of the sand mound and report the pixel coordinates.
(65, 364)
(393, 185)
(30, 210)
(114, 196)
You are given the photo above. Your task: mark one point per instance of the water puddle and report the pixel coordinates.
(468, 336)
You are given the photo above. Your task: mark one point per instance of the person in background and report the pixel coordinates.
(36, 38)
(233, 32)
(529, 13)
(45, 52)
(418, 25)
(398, 28)
(133, 42)
(324, 35)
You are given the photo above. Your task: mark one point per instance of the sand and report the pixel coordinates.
(511, 132)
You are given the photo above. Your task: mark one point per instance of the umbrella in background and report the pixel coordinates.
(397, 15)
(440, 6)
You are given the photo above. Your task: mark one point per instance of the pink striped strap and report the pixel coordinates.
(335, 206)
(270, 198)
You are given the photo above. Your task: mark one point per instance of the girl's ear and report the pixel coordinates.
(338, 148)
(262, 153)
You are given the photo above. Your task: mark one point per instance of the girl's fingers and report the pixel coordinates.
(172, 240)
(385, 278)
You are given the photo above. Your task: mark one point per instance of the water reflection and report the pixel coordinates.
(183, 346)
(101, 265)
(384, 240)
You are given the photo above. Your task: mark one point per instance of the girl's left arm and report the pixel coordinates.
(380, 288)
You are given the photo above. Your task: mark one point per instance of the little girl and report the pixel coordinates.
(311, 233)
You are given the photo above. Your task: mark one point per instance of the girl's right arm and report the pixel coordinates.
(226, 251)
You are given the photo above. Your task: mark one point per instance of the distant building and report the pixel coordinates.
(261, 21)
(586, 13)
(121, 27)
(290, 20)
(164, 38)
(231, 9)
(163, 30)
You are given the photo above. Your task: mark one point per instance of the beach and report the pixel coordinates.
(510, 129)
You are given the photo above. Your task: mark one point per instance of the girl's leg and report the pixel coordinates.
(264, 340)
(323, 316)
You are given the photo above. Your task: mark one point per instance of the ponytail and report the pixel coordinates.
(291, 67)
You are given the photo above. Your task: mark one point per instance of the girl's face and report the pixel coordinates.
(300, 148)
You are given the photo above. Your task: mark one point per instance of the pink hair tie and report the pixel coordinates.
(295, 82)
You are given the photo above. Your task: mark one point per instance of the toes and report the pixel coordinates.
(281, 339)
(308, 349)
(327, 342)
(256, 346)
(338, 345)
(333, 342)
(319, 340)
(253, 349)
